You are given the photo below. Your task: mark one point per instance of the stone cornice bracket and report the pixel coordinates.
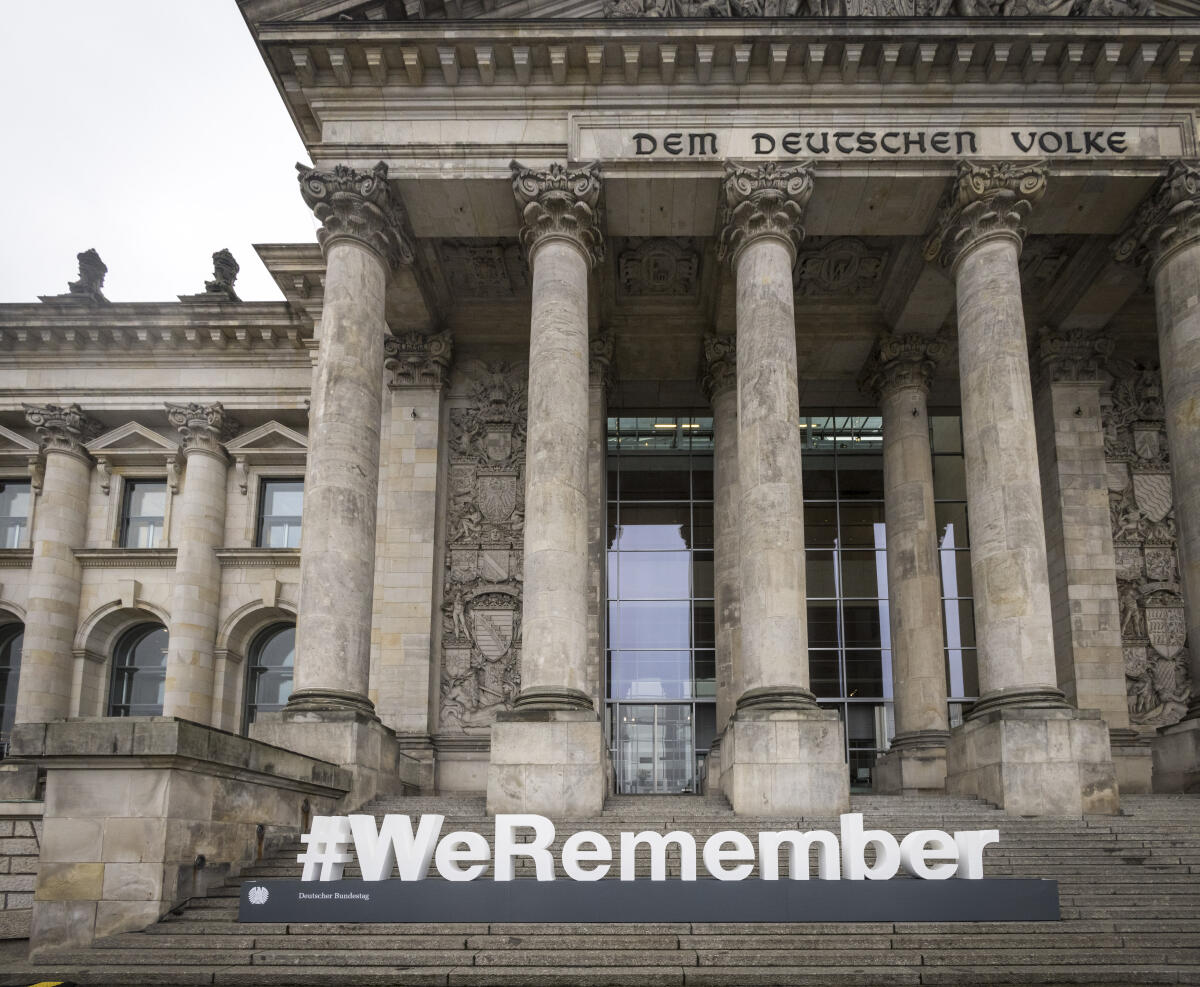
(899, 362)
(1168, 220)
(414, 359)
(203, 427)
(560, 203)
(360, 206)
(719, 373)
(986, 200)
(600, 360)
(1073, 354)
(63, 428)
(765, 201)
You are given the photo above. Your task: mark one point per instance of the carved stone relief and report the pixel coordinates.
(483, 269)
(481, 610)
(1153, 628)
(659, 267)
(877, 8)
(841, 266)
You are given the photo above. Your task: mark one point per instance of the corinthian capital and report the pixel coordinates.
(1073, 354)
(62, 428)
(720, 364)
(601, 348)
(764, 201)
(985, 201)
(358, 205)
(413, 359)
(1166, 221)
(899, 362)
(202, 427)
(560, 202)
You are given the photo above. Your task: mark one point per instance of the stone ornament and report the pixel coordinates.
(560, 202)
(62, 428)
(1073, 354)
(485, 531)
(720, 364)
(1142, 513)
(899, 362)
(659, 267)
(88, 287)
(358, 205)
(878, 8)
(600, 360)
(764, 201)
(1167, 220)
(225, 272)
(985, 201)
(843, 266)
(203, 427)
(414, 359)
(483, 270)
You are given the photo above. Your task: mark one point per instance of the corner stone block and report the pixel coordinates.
(56, 925)
(1176, 752)
(547, 762)
(70, 882)
(72, 840)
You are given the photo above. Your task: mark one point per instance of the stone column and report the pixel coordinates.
(1023, 747)
(1165, 234)
(548, 752)
(898, 374)
(720, 386)
(600, 381)
(363, 236)
(55, 578)
(782, 755)
(1079, 539)
(196, 590)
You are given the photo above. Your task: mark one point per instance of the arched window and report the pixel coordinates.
(269, 670)
(12, 638)
(139, 672)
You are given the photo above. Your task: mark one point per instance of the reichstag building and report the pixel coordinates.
(772, 401)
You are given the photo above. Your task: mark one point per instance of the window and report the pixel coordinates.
(12, 638)
(139, 672)
(279, 510)
(14, 513)
(142, 511)
(269, 671)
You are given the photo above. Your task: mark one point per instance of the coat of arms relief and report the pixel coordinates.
(1153, 628)
(485, 518)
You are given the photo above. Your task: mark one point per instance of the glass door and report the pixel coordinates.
(655, 749)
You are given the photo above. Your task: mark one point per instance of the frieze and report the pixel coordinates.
(1141, 507)
(482, 589)
(659, 267)
(841, 266)
(481, 269)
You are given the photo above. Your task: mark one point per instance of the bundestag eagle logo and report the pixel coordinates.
(258, 895)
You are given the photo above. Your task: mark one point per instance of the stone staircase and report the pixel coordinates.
(1129, 891)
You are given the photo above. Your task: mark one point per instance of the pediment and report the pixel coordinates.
(132, 437)
(271, 437)
(12, 443)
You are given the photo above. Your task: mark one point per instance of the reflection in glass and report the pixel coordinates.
(142, 513)
(654, 749)
(269, 671)
(661, 624)
(652, 528)
(654, 575)
(12, 640)
(14, 513)
(650, 675)
(820, 525)
(139, 672)
(820, 574)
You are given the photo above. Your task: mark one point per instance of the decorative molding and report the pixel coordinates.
(985, 201)
(238, 558)
(203, 427)
(659, 267)
(358, 205)
(601, 348)
(1166, 221)
(560, 203)
(88, 287)
(475, 269)
(842, 266)
(126, 558)
(269, 444)
(899, 362)
(719, 370)
(62, 428)
(877, 8)
(415, 359)
(765, 201)
(16, 558)
(1073, 354)
(1043, 259)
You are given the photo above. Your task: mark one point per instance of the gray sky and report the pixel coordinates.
(150, 130)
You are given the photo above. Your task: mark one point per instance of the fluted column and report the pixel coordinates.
(1165, 234)
(1023, 747)
(781, 755)
(363, 239)
(55, 578)
(548, 753)
(196, 590)
(898, 375)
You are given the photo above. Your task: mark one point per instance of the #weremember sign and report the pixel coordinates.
(848, 889)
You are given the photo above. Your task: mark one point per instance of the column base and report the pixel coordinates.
(785, 763)
(915, 765)
(1133, 760)
(352, 739)
(1176, 752)
(567, 699)
(547, 761)
(1035, 761)
(329, 700)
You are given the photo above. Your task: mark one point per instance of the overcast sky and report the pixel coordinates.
(150, 130)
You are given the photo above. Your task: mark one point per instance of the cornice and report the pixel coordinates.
(235, 558)
(126, 558)
(16, 558)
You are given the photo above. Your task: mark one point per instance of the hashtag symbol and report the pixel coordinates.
(326, 853)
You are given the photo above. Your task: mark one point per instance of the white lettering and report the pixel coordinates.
(854, 845)
(829, 866)
(462, 848)
(970, 851)
(538, 850)
(573, 855)
(394, 842)
(918, 848)
(715, 856)
(657, 843)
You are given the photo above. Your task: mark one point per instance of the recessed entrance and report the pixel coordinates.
(655, 748)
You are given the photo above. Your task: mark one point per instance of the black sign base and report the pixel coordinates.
(483, 900)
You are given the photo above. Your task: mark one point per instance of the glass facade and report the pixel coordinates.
(660, 658)
(139, 672)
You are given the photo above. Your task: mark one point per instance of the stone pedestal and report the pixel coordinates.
(1133, 761)
(1035, 762)
(785, 763)
(1176, 753)
(547, 761)
(915, 770)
